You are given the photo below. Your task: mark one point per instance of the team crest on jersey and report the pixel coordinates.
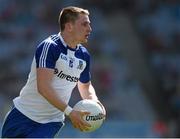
(71, 62)
(80, 66)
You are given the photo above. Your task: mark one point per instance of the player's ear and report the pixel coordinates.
(69, 26)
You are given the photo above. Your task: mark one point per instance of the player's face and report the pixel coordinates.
(82, 28)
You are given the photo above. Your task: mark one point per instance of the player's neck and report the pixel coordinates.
(69, 40)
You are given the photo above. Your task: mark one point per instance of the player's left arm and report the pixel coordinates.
(84, 84)
(87, 91)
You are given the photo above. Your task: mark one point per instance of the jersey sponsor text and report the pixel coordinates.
(65, 76)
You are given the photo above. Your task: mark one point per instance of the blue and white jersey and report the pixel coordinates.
(70, 65)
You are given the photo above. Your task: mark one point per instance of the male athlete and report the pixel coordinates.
(60, 63)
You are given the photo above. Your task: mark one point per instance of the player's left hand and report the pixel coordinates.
(104, 110)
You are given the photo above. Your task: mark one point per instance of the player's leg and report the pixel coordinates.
(11, 126)
(17, 125)
(48, 130)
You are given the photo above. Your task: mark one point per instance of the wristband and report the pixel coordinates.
(68, 110)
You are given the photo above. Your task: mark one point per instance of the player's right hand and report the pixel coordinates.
(77, 120)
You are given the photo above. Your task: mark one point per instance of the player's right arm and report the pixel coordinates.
(46, 57)
(44, 81)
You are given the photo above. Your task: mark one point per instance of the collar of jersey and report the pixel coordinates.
(65, 45)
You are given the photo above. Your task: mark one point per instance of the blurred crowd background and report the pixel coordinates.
(135, 47)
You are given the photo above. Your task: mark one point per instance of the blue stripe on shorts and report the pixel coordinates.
(17, 125)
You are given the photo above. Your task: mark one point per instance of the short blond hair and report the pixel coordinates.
(70, 14)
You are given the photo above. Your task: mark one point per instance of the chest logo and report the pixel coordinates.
(63, 57)
(80, 66)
